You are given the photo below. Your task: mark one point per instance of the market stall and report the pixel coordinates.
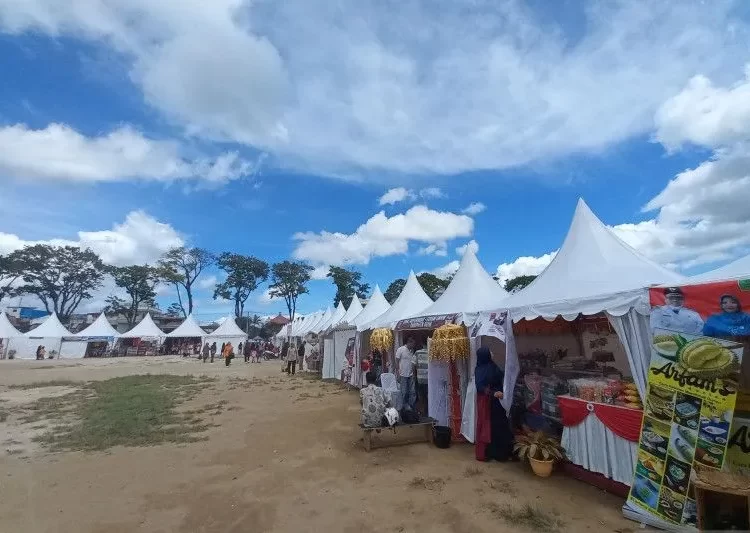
(53, 336)
(186, 339)
(228, 331)
(144, 339)
(99, 337)
(376, 306)
(341, 350)
(7, 332)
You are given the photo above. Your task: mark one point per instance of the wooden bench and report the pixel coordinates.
(424, 428)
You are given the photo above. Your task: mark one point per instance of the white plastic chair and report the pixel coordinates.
(390, 387)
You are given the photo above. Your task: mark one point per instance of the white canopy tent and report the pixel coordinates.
(301, 329)
(53, 336)
(7, 332)
(296, 325)
(737, 269)
(325, 317)
(336, 316)
(355, 308)
(471, 290)
(144, 329)
(374, 308)
(334, 358)
(99, 328)
(412, 301)
(188, 329)
(228, 331)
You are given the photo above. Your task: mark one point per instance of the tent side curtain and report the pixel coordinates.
(616, 304)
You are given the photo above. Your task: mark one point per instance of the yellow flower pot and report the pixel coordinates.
(541, 468)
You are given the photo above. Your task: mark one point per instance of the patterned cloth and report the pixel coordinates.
(373, 406)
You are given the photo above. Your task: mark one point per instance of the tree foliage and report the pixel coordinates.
(431, 284)
(10, 273)
(244, 273)
(60, 276)
(139, 282)
(348, 283)
(181, 266)
(518, 283)
(174, 310)
(289, 281)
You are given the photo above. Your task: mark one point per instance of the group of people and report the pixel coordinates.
(249, 350)
(295, 358)
(41, 353)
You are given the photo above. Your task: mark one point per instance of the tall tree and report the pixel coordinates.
(518, 283)
(289, 281)
(10, 273)
(181, 267)
(348, 283)
(394, 289)
(60, 276)
(433, 285)
(244, 273)
(174, 310)
(139, 282)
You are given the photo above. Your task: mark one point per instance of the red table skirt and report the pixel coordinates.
(622, 421)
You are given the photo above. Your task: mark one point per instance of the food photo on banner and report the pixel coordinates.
(699, 334)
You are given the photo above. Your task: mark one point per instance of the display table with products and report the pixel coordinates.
(600, 437)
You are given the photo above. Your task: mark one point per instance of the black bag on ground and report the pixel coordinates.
(442, 436)
(409, 417)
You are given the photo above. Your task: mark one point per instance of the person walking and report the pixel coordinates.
(206, 351)
(241, 348)
(406, 363)
(291, 361)
(301, 355)
(246, 351)
(227, 353)
(213, 351)
(283, 355)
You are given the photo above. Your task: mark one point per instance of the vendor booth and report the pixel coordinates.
(99, 337)
(144, 339)
(57, 341)
(376, 306)
(7, 332)
(341, 345)
(582, 332)
(228, 331)
(186, 339)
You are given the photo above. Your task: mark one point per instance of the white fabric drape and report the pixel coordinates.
(635, 335)
(437, 392)
(594, 447)
(469, 414)
(328, 360)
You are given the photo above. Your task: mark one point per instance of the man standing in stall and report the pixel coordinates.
(406, 363)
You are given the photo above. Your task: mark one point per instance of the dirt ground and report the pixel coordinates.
(284, 455)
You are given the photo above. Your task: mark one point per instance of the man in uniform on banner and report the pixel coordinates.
(673, 316)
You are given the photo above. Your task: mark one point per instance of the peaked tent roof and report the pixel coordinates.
(299, 325)
(471, 290)
(376, 306)
(355, 308)
(313, 328)
(7, 329)
(99, 328)
(593, 271)
(144, 328)
(412, 301)
(336, 317)
(52, 327)
(737, 269)
(308, 326)
(228, 328)
(188, 328)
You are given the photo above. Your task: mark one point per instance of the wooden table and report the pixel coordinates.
(424, 427)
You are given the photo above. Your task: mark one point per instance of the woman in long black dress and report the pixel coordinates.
(494, 439)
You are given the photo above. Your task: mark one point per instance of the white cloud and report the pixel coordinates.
(382, 236)
(61, 153)
(517, 88)
(207, 282)
(431, 192)
(446, 270)
(139, 239)
(523, 266)
(474, 208)
(265, 298)
(438, 249)
(393, 196)
(474, 245)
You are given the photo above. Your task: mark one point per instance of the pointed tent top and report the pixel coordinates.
(591, 265)
(412, 301)
(99, 328)
(52, 327)
(315, 328)
(145, 328)
(737, 269)
(7, 330)
(376, 306)
(471, 290)
(337, 315)
(355, 308)
(299, 327)
(188, 328)
(228, 328)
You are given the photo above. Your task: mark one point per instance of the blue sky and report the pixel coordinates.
(274, 130)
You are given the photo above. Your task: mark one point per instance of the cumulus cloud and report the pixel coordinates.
(474, 208)
(438, 100)
(60, 153)
(207, 282)
(523, 266)
(446, 270)
(439, 249)
(139, 239)
(395, 195)
(382, 236)
(472, 244)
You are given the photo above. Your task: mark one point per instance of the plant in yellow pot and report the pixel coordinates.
(540, 449)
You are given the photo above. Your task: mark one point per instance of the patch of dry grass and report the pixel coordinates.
(429, 483)
(44, 384)
(528, 516)
(473, 471)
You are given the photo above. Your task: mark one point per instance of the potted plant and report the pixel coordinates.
(540, 449)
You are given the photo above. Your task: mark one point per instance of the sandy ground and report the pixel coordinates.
(284, 456)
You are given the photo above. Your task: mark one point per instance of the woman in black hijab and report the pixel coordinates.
(494, 439)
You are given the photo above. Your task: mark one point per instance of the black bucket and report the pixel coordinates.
(442, 436)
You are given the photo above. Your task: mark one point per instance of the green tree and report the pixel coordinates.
(252, 325)
(244, 273)
(433, 285)
(10, 273)
(289, 281)
(394, 289)
(181, 266)
(518, 283)
(174, 310)
(60, 276)
(348, 283)
(139, 282)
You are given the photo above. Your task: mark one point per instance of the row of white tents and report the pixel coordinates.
(54, 336)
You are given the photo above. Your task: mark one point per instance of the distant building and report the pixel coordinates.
(25, 313)
(279, 320)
